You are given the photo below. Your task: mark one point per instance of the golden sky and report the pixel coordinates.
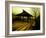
(30, 10)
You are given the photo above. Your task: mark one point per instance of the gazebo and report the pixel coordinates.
(24, 16)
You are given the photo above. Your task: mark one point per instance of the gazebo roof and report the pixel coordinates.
(24, 13)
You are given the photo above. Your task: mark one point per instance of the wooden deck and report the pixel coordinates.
(21, 26)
